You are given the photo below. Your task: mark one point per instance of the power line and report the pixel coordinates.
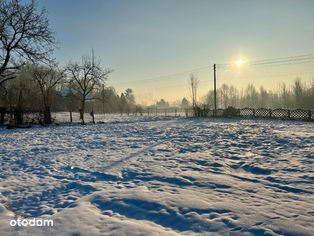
(167, 75)
(288, 61)
(172, 84)
(271, 63)
(283, 58)
(308, 58)
(280, 61)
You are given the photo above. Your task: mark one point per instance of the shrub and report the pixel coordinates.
(231, 112)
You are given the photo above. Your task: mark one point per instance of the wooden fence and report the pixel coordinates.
(11, 116)
(279, 113)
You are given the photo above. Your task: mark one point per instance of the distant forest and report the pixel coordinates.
(296, 95)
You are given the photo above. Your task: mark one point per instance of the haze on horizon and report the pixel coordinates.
(142, 40)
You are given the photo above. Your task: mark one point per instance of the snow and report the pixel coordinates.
(160, 176)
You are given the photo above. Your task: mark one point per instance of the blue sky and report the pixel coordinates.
(141, 39)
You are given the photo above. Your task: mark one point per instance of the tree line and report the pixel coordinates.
(31, 80)
(296, 95)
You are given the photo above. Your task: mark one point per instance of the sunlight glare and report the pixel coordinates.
(239, 62)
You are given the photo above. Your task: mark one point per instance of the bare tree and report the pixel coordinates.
(251, 95)
(224, 95)
(298, 90)
(184, 103)
(107, 98)
(130, 98)
(193, 86)
(20, 94)
(84, 78)
(24, 35)
(47, 78)
(122, 104)
(263, 97)
(285, 96)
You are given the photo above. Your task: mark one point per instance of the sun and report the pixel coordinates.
(239, 62)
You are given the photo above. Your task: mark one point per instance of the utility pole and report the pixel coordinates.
(215, 92)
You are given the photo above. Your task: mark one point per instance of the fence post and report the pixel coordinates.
(71, 118)
(310, 115)
(253, 112)
(289, 114)
(270, 113)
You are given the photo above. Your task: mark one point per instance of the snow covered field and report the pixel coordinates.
(160, 176)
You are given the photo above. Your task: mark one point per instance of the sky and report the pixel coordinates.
(144, 40)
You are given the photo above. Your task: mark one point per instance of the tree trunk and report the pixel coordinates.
(82, 111)
(47, 115)
(93, 116)
(2, 115)
(18, 116)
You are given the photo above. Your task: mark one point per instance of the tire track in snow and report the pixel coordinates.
(116, 166)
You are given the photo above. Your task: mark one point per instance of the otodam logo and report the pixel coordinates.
(31, 222)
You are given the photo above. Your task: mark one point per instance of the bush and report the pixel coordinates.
(201, 111)
(231, 112)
